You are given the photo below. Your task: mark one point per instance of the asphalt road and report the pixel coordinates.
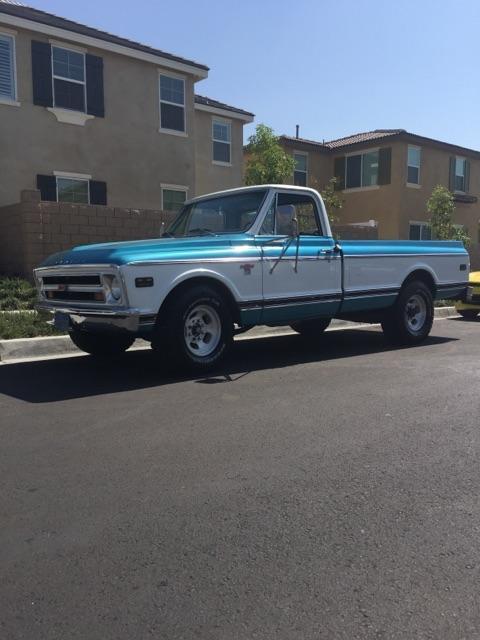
(300, 493)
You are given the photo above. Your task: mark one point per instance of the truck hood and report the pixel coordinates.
(120, 253)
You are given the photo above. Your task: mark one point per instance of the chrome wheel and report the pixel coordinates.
(202, 330)
(415, 313)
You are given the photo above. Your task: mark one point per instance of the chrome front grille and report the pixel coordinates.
(80, 286)
(72, 280)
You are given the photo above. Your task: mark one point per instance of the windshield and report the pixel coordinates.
(223, 214)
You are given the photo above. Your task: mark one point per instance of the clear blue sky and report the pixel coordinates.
(335, 67)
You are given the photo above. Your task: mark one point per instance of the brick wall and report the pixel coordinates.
(31, 230)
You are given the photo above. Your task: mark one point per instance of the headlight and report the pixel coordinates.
(113, 290)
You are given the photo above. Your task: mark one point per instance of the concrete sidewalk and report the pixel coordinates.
(54, 346)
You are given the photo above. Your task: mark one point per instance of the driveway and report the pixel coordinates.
(301, 492)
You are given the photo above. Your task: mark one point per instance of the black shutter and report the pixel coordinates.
(98, 192)
(385, 165)
(42, 74)
(467, 176)
(451, 177)
(339, 173)
(95, 101)
(47, 185)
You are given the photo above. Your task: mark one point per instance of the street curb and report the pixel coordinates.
(51, 346)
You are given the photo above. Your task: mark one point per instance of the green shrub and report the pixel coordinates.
(25, 324)
(16, 294)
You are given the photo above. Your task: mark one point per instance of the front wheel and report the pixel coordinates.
(311, 328)
(410, 320)
(468, 314)
(197, 331)
(101, 344)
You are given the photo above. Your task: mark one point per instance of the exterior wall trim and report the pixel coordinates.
(66, 45)
(225, 113)
(97, 43)
(73, 176)
(70, 117)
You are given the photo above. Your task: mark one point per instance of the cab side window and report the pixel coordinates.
(303, 208)
(285, 208)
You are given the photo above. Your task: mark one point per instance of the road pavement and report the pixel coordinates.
(300, 492)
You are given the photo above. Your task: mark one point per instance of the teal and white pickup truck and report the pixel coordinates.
(239, 258)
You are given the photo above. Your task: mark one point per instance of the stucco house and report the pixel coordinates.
(92, 118)
(387, 176)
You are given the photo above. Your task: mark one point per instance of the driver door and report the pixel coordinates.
(301, 276)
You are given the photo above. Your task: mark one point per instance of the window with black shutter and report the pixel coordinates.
(76, 190)
(67, 79)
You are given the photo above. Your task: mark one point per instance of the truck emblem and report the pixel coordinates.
(247, 268)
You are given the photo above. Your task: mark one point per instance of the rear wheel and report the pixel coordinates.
(410, 320)
(101, 344)
(468, 314)
(311, 328)
(197, 331)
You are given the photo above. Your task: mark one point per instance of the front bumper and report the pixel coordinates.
(99, 320)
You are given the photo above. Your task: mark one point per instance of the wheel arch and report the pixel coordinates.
(197, 279)
(423, 274)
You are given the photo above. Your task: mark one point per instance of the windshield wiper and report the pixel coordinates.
(200, 231)
(167, 234)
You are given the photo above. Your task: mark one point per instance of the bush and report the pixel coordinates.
(25, 324)
(16, 294)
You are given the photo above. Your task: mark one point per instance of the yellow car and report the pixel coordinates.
(471, 307)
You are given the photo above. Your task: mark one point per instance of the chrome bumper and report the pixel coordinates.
(88, 319)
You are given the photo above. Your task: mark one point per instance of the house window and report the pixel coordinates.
(222, 138)
(73, 190)
(300, 172)
(413, 165)
(172, 103)
(7, 67)
(173, 199)
(68, 69)
(420, 231)
(460, 171)
(361, 170)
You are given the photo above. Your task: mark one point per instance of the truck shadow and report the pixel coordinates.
(81, 377)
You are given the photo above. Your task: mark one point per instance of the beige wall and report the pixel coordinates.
(210, 176)
(380, 203)
(125, 149)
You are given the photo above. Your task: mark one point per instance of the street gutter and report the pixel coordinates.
(47, 347)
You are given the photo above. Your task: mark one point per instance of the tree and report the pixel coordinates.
(267, 162)
(441, 207)
(333, 202)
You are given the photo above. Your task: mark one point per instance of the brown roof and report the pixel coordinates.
(209, 102)
(366, 136)
(377, 135)
(42, 17)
